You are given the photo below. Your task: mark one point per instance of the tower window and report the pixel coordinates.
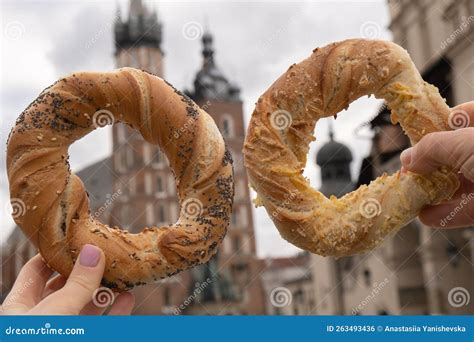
(122, 160)
(159, 184)
(125, 217)
(233, 218)
(161, 214)
(236, 244)
(149, 214)
(227, 126)
(121, 133)
(130, 157)
(148, 185)
(367, 277)
(157, 158)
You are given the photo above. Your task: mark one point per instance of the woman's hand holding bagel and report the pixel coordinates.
(452, 148)
(282, 125)
(56, 217)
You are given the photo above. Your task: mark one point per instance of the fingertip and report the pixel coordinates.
(406, 156)
(90, 256)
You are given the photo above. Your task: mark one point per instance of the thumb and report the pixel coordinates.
(79, 289)
(454, 149)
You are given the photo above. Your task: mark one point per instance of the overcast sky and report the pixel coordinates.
(254, 42)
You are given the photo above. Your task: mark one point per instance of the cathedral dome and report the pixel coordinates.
(333, 152)
(210, 82)
(334, 159)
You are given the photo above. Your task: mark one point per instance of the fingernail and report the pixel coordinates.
(90, 256)
(405, 157)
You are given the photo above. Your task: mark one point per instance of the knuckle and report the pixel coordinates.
(430, 140)
(81, 283)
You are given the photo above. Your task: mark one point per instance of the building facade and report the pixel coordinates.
(149, 195)
(288, 285)
(439, 36)
(419, 270)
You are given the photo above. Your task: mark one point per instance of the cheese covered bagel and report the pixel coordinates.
(56, 215)
(281, 129)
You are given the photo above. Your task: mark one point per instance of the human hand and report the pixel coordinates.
(454, 149)
(33, 294)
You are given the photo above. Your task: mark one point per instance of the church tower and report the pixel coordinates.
(237, 289)
(148, 191)
(138, 39)
(140, 169)
(334, 159)
(141, 174)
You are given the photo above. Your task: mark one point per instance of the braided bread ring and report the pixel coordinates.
(57, 218)
(281, 128)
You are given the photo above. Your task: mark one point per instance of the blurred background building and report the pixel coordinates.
(412, 273)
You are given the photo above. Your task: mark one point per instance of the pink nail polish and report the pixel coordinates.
(90, 256)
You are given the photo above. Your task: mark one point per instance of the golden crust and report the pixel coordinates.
(282, 125)
(57, 218)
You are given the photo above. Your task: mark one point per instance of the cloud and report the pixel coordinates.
(255, 42)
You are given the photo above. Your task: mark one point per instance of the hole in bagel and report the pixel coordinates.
(338, 167)
(129, 181)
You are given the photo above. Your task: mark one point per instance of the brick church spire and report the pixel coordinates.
(210, 83)
(141, 28)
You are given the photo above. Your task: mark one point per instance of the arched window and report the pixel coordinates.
(130, 158)
(236, 244)
(367, 277)
(156, 158)
(159, 184)
(121, 161)
(150, 217)
(120, 129)
(125, 217)
(233, 217)
(243, 218)
(161, 214)
(227, 126)
(238, 161)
